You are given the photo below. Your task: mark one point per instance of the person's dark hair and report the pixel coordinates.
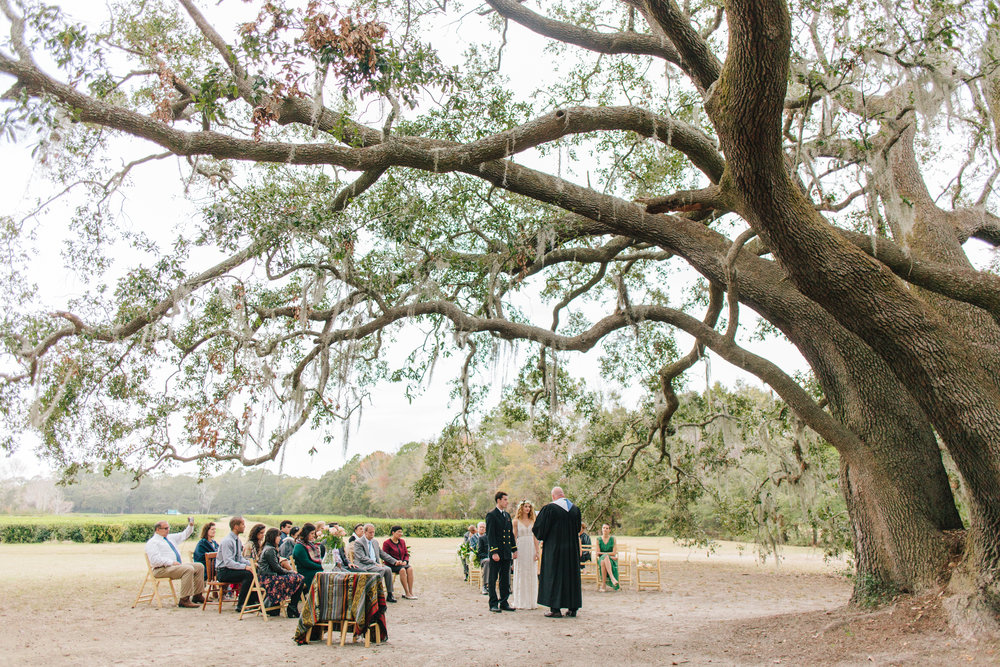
(286, 522)
(499, 495)
(356, 526)
(305, 535)
(204, 529)
(235, 521)
(294, 531)
(257, 529)
(270, 536)
(394, 529)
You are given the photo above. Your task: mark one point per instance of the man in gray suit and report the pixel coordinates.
(368, 556)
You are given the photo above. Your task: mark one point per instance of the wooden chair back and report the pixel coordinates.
(589, 572)
(212, 585)
(625, 567)
(154, 583)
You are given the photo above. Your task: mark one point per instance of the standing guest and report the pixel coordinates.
(368, 557)
(207, 543)
(165, 559)
(231, 566)
(525, 587)
(396, 547)
(471, 539)
(584, 542)
(607, 560)
(307, 557)
(288, 544)
(558, 527)
(483, 554)
(503, 550)
(280, 582)
(255, 542)
(285, 527)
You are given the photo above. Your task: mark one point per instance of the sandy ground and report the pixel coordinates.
(70, 604)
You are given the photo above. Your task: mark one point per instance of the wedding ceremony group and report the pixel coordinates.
(534, 560)
(284, 560)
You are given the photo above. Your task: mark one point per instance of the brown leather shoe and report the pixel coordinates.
(186, 602)
(199, 598)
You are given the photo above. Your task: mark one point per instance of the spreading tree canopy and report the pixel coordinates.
(822, 163)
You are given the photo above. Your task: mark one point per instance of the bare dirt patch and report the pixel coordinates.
(70, 604)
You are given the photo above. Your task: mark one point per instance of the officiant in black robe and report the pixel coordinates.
(557, 526)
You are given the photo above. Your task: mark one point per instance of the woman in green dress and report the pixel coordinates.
(607, 559)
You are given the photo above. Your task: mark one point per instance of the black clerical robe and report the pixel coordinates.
(559, 581)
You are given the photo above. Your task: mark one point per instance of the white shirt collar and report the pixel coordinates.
(563, 503)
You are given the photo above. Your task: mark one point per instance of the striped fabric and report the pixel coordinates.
(336, 596)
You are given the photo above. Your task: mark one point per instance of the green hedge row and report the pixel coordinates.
(26, 533)
(91, 531)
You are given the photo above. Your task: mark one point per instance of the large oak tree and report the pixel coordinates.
(672, 137)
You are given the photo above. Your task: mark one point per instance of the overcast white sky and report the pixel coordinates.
(155, 202)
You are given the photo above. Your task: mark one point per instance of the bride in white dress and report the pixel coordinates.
(524, 588)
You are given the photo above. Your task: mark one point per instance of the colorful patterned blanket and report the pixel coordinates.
(341, 596)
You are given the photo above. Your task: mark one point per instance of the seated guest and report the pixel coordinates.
(483, 554)
(471, 538)
(165, 560)
(368, 556)
(585, 556)
(288, 544)
(285, 527)
(255, 542)
(396, 547)
(359, 530)
(308, 560)
(207, 543)
(231, 566)
(280, 582)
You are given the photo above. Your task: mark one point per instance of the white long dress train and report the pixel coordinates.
(524, 588)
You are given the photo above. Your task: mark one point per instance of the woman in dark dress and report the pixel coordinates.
(207, 543)
(280, 582)
(396, 547)
(307, 556)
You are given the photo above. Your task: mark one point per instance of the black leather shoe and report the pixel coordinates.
(571, 613)
(495, 610)
(390, 598)
(553, 614)
(506, 607)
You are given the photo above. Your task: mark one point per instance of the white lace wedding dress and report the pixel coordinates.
(524, 587)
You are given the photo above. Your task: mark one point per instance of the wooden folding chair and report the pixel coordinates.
(155, 593)
(255, 588)
(624, 565)
(647, 561)
(589, 572)
(475, 574)
(211, 583)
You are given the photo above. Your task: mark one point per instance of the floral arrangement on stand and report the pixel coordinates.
(333, 538)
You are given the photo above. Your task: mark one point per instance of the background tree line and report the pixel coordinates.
(739, 465)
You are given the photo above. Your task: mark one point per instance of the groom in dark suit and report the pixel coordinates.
(503, 550)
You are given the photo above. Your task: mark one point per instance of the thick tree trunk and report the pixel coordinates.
(946, 374)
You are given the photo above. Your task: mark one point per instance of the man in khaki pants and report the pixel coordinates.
(165, 559)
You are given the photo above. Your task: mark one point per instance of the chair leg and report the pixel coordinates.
(343, 632)
(329, 633)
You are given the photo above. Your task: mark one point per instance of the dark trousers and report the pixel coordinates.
(499, 570)
(242, 577)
